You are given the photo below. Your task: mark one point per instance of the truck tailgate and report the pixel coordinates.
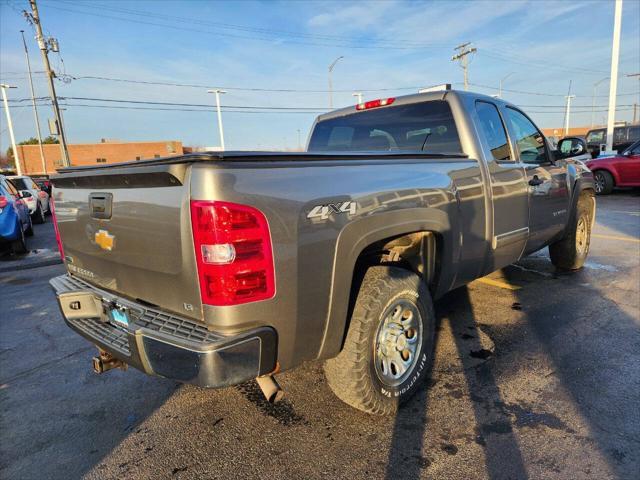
(129, 231)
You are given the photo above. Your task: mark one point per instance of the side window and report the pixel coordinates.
(12, 189)
(596, 136)
(529, 141)
(493, 130)
(620, 135)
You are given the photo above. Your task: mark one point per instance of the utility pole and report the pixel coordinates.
(358, 95)
(463, 58)
(613, 85)
(4, 87)
(44, 45)
(299, 144)
(593, 101)
(33, 102)
(501, 82)
(333, 64)
(635, 105)
(567, 113)
(217, 91)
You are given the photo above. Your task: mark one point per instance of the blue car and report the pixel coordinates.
(15, 221)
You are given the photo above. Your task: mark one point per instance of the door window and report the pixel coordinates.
(596, 136)
(620, 135)
(529, 141)
(493, 130)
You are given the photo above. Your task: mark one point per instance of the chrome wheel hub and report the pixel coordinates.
(398, 341)
(582, 235)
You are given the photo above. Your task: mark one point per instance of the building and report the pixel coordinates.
(107, 151)
(559, 132)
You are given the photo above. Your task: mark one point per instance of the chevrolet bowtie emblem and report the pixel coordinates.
(104, 240)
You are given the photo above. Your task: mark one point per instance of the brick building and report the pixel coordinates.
(94, 153)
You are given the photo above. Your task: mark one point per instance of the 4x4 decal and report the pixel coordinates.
(322, 212)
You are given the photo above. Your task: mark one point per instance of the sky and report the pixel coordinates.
(276, 55)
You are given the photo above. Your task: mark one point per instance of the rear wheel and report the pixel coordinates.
(19, 245)
(389, 345)
(571, 252)
(38, 215)
(604, 182)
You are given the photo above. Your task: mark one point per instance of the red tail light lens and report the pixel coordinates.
(381, 102)
(3, 201)
(55, 227)
(233, 252)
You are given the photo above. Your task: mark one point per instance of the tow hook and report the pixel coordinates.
(105, 362)
(270, 388)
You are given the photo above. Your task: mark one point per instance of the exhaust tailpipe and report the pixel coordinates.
(105, 362)
(270, 388)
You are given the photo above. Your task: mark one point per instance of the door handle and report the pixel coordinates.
(535, 181)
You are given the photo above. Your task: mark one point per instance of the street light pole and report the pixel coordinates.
(593, 102)
(358, 95)
(613, 85)
(501, 81)
(33, 102)
(568, 114)
(333, 64)
(3, 87)
(217, 91)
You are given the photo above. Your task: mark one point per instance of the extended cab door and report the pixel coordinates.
(549, 194)
(509, 189)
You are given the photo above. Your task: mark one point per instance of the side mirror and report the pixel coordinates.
(571, 147)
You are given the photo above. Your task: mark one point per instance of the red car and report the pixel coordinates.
(621, 170)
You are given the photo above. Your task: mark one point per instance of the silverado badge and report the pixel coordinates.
(105, 240)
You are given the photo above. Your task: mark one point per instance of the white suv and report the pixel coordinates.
(36, 199)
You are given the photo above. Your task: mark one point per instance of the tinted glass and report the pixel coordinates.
(493, 130)
(529, 140)
(634, 133)
(619, 135)
(12, 189)
(21, 183)
(596, 136)
(427, 126)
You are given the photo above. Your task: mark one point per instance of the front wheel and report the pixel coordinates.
(38, 216)
(571, 252)
(388, 350)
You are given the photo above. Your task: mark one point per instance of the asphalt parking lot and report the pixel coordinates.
(537, 375)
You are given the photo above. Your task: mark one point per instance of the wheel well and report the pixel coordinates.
(613, 177)
(418, 252)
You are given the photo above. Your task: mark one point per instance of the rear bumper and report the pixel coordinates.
(162, 344)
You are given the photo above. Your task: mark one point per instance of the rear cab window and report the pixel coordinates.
(427, 126)
(493, 130)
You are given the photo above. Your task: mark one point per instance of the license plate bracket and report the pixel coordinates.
(119, 316)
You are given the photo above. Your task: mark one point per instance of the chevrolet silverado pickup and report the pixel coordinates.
(216, 268)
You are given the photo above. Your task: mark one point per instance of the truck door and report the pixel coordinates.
(628, 167)
(549, 194)
(508, 185)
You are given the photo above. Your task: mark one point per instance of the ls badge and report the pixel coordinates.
(104, 240)
(322, 212)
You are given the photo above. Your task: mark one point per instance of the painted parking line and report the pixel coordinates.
(498, 283)
(616, 237)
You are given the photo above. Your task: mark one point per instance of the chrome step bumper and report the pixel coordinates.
(163, 344)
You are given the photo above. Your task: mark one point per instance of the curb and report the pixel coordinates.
(27, 266)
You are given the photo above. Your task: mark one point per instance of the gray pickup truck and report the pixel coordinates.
(221, 267)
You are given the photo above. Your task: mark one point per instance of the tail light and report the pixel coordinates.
(233, 253)
(381, 102)
(55, 227)
(3, 201)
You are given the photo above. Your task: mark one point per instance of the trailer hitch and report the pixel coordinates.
(105, 362)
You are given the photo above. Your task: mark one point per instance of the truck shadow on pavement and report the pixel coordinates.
(503, 457)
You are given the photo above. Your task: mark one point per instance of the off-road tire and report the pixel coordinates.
(19, 245)
(571, 252)
(38, 215)
(352, 374)
(604, 182)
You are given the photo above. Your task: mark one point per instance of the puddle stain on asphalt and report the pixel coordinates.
(283, 411)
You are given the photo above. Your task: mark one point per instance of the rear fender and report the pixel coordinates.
(352, 242)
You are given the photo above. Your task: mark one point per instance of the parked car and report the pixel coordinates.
(616, 171)
(623, 137)
(37, 200)
(215, 268)
(15, 220)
